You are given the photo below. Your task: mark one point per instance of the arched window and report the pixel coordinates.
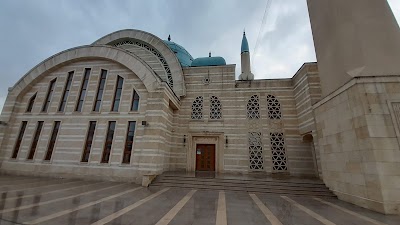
(253, 108)
(197, 108)
(279, 160)
(274, 108)
(255, 151)
(215, 108)
(135, 101)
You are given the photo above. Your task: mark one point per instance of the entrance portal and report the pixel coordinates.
(205, 157)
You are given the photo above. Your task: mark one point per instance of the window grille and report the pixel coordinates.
(215, 108)
(274, 108)
(279, 159)
(255, 151)
(253, 107)
(197, 108)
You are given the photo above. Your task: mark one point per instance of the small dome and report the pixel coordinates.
(209, 61)
(183, 56)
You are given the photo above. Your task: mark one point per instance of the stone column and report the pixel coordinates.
(358, 122)
(354, 38)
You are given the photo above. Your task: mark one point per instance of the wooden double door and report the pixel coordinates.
(205, 157)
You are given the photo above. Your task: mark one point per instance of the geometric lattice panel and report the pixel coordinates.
(279, 160)
(170, 82)
(255, 151)
(197, 108)
(253, 108)
(274, 108)
(215, 108)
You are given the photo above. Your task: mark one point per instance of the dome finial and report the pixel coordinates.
(169, 37)
(209, 54)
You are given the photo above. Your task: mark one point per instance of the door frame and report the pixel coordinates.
(205, 138)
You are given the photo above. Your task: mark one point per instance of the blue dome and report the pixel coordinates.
(209, 61)
(183, 56)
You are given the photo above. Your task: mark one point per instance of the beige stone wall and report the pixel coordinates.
(307, 92)
(234, 124)
(358, 142)
(150, 145)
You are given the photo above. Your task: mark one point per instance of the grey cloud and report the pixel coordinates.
(34, 30)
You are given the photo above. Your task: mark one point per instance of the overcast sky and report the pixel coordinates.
(31, 31)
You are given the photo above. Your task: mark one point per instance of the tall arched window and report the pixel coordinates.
(274, 108)
(253, 107)
(197, 108)
(215, 108)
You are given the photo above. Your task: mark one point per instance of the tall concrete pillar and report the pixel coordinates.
(354, 38)
(358, 119)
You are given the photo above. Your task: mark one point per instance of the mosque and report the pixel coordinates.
(131, 105)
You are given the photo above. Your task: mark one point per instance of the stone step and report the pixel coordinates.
(249, 189)
(239, 178)
(235, 181)
(244, 185)
(289, 186)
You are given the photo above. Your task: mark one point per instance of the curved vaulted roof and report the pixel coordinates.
(125, 58)
(154, 51)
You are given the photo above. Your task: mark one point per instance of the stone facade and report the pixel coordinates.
(166, 133)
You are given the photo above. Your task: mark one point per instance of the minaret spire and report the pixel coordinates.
(245, 59)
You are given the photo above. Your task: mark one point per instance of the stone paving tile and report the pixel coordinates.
(286, 212)
(151, 212)
(199, 210)
(387, 219)
(241, 209)
(98, 211)
(56, 205)
(11, 195)
(334, 215)
(43, 197)
(65, 201)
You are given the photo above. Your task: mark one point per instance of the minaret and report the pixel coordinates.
(245, 58)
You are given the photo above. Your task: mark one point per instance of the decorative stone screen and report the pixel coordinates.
(197, 108)
(253, 107)
(279, 159)
(255, 151)
(215, 108)
(155, 52)
(274, 108)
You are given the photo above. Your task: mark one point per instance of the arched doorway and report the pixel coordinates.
(309, 139)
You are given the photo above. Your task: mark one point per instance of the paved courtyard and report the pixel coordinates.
(27, 200)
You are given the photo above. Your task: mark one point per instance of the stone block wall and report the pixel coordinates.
(359, 146)
(149, 150)
(307, 91)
